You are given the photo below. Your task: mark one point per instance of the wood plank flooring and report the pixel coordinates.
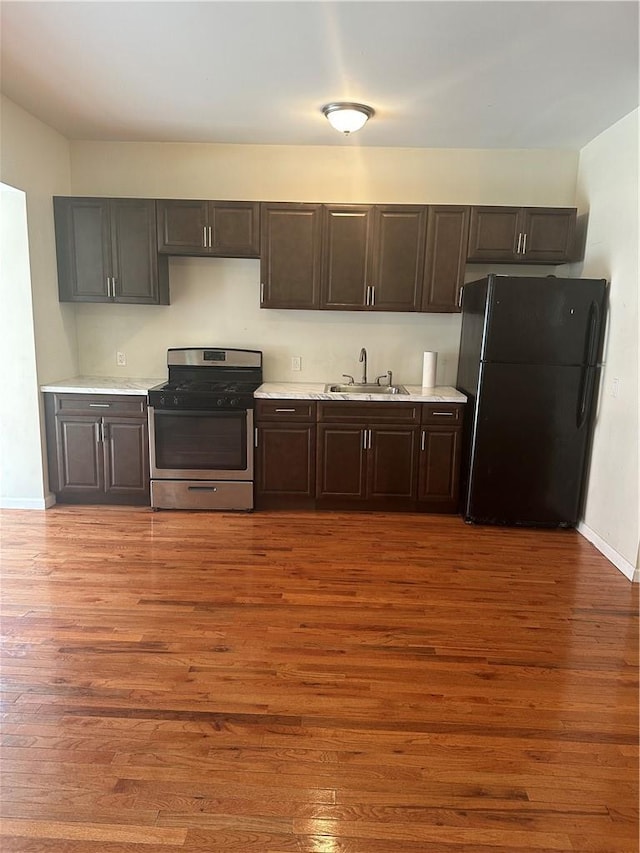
(313, 683)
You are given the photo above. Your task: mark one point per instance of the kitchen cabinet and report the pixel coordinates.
(210, 228)
(373, 257)
(106, 251)
(98, 448)
(439, 465)
(525, 235)
(285, 454)
(290, 255)
(367, 455)
(446, 250)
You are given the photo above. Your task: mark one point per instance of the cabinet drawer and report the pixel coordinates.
(285, 410)
(442, 413)
(100, 404)
(352, 412)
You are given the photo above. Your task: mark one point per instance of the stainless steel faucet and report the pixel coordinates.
(363, 358)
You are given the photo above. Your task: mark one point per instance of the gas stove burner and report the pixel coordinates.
(201, 379)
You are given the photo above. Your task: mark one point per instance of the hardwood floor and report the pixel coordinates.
(313, 683)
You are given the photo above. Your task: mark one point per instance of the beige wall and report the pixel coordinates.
(217, 301)
(34, 159)
(608, 189)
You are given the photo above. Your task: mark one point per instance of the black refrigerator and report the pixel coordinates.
(529, 365)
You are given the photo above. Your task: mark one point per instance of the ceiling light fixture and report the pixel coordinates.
(347, 117)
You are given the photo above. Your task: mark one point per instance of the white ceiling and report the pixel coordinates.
(447, 74)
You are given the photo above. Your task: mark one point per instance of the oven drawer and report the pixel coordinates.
(201, 494)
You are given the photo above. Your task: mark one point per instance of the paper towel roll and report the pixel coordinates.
(429, 364)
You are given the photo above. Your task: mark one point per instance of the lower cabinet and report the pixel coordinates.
(285, 456)
(365, 456)
(439, 477)
(370, 464)
(98, 448)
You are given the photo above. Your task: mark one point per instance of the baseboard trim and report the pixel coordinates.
(624, 566)
(28, 503)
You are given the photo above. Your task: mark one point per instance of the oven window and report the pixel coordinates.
(201, 440)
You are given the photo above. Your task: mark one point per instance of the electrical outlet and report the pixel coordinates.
(121, 359)
(296, 363)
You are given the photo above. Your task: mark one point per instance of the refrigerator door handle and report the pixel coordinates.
(589, 367)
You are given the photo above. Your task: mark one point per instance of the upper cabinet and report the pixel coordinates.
(211, 228)
(290, 255)
(528, 235)
(373, 257)
(447, 234)
(106, 251)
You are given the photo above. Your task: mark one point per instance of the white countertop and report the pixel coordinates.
(102, 385)
(315, 391)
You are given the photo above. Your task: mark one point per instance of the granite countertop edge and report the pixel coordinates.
(102, 385)
(315, 391)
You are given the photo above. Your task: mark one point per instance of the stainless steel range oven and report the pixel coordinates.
(201, 429)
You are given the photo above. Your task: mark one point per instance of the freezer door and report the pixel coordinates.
(529, 444)
(544, 320)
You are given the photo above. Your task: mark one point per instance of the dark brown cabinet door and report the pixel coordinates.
(341, 463)
(348, 231)
(83, 246)
(235, 229)
(106, 250)
(398, 257)
(392, 469)
(221, 228)
(136, 277)
(80, 470)
(524, 235)
(285, 464)
(438, 485)
(290, 257)
(183, 227)
(548, 234)
(493, 233)
(126, 457)
(447, 236)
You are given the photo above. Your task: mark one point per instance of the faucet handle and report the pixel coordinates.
(350, 378)
(388, 375)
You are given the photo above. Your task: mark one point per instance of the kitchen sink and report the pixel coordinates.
(387, 390)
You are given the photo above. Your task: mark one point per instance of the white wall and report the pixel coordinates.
(217, 301)
(21, 474)
(608, 189)
(34, 159)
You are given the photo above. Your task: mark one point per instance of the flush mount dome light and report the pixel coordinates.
(347, 117)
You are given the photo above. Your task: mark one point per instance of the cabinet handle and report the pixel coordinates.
(255, 436)
(369, 439)
(202, 488)
(262, 291)
(209, 236)
(99, 405)
(443, 414)
(103, 431)
(423, 440)
(373, 296)
(108, 287)
(285, 410)
(524, 244)
(364, 439)
(113, 282)
(460, 297)
(97, 429)
(204, 236)
(519, 242)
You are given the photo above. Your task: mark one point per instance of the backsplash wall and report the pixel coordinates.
(217, 302)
